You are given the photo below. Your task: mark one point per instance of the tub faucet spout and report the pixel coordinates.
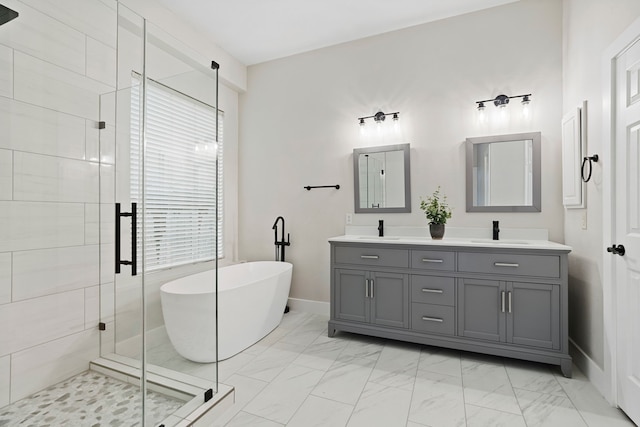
(280, 244)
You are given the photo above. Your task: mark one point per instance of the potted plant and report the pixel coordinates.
(437, 212)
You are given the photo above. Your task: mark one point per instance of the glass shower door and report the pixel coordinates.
(159, 201)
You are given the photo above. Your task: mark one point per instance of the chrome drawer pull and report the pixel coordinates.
(369, 256)
(502, 301)
(432, 291)
(434, 261)
(432, 319)
(506, 264)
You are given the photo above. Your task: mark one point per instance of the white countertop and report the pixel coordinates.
(455, 241)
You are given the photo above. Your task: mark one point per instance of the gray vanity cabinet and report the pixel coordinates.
(519, 313)
(533, 315)
(480, 312)
(508, 302)
(375, 297)
(352, 299)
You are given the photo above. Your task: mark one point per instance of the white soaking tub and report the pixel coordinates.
(251, 300)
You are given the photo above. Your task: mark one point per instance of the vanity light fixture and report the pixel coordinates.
(501, 101)
(379, 117)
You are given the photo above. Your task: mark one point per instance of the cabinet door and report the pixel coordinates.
(533, 315)
(350, 300)
(390, 299)
(480, 309)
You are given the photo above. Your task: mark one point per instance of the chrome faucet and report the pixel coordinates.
(380, 228)
(496, 230)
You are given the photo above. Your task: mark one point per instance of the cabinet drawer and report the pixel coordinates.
(432, 290)
(433, 260)
(372, 256)
(511, 264)
(438, 319)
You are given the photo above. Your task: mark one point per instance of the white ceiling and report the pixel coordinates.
(255, 31)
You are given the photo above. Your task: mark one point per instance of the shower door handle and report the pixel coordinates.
(134, 239)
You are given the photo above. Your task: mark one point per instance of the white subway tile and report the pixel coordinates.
(107, 183)
(92, 17)
(91, 307)
(107, 222)
(6, 71)
(48, 271)
(92, 141)
(35, 321)
(46, 178)
(5, 277)
(47, 85)
(107, 262)
(43, 37)
(101, 62)
(108, 108)
(33, 225)
(107, 302)
(107, 339)
(39, 367)
(34, 129)
(6, 174)
(91, 224)
(5, 380)
(127, 306)
(108, 144)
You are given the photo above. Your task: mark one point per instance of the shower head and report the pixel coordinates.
(7, 14)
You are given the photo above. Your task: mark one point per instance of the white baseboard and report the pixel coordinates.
(590, 369)
(309, 306)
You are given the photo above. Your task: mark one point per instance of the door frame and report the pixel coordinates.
(609, 292)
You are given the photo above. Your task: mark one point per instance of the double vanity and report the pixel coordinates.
(506, 297)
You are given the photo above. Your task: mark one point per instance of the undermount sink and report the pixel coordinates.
(501, 242)
(378, 238)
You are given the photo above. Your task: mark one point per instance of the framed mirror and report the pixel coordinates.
(382, 181)
(503, 173)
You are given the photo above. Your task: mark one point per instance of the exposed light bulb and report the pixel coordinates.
(525, 106)
(482, 116)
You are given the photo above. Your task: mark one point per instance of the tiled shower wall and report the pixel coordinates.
(56, 59)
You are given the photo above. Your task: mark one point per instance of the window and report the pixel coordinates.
(180, 180)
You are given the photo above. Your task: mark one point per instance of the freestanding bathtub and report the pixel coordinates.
(251, 301)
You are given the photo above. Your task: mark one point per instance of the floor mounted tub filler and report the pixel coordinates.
(251, 301)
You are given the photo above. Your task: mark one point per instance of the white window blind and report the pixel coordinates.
(180, 177)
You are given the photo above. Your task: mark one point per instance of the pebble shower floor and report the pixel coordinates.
(89, 399)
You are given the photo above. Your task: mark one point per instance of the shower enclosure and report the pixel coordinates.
(110, 164)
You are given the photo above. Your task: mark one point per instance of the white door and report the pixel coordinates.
(627, 228)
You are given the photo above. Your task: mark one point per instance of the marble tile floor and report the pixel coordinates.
(297, 376)
(88, 399)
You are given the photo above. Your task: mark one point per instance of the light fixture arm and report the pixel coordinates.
(379, 117)
(501, 99)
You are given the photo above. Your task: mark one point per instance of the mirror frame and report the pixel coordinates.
(536, 205)
(407, 178)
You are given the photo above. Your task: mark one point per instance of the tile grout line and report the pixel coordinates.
(571, 400)
(413, 389)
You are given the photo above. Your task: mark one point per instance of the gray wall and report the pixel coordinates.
(299, 126)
